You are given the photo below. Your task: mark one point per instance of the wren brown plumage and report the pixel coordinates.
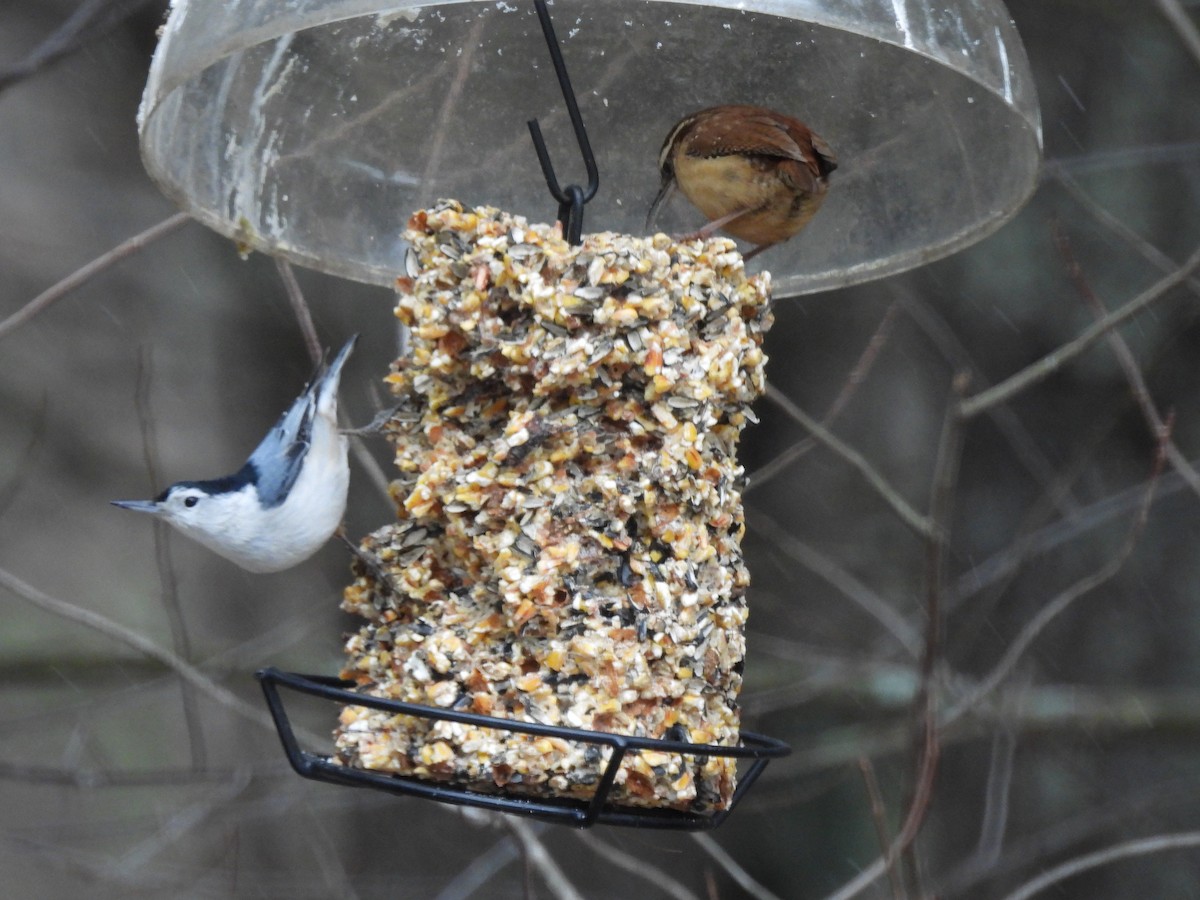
(754, 172)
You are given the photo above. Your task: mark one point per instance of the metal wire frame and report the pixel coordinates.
(572, 198)
(580, 814)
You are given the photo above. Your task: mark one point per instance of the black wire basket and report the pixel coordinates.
(757, 748)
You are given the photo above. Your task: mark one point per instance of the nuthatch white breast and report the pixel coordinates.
(286, 501)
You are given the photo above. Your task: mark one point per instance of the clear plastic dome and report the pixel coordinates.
(313, 128)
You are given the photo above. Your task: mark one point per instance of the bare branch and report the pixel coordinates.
(137, 642)
(1055, 607)
(854, 380)
(879, 817)
(1056, 359)
(300, 309)
(743, 878)
(539, 857)
(83, 275)
(1024, 447)
(162, 557)
(1127, 361)
(854, 590)
(629, 863)
(1073, 867)
(1117, 225)
(995, 811)
(90, 20)
(1184, 27)
(941, 508)
(861, 881)
(891, 496)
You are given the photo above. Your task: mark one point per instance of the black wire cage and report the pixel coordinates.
(755, 748)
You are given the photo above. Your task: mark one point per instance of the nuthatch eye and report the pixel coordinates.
(755, 173)
(286, 501)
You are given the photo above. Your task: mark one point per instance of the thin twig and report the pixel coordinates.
(1183, 24)
(803, 554)
(1117, 226)
(858, 375)
(861, 881)
(90, 20)
(177, 826)
(1080, 588)
(162, 556)
(1056, 359)
(891, 496)
(995, 808)
(629, 863)
(135, 641)
(743, 878)
(480, 870)
(539, 857)
(1051, 537)
(1072, 867)
(1031, 851)
(301, 310)
(1127, 361)
(879, 817)
(17, 480)
(937, 547)
(935, 327)
(84, 274)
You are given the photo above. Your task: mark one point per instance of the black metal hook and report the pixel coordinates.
(571, 198)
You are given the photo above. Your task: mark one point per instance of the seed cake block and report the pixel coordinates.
(567, 549)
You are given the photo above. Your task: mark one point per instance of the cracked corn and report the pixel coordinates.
(568, 543)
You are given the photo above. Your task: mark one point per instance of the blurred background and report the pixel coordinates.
(1068, 660)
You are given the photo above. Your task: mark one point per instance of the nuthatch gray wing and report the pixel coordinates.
(286, 501)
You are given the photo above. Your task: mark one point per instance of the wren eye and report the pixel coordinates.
(189, 502)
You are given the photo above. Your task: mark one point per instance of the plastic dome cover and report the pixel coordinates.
(313, 128)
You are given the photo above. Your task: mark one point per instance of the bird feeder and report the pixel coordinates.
(312, 129)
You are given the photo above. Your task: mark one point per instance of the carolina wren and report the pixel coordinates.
(756, 173)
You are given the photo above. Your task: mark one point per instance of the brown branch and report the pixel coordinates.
(1080, 588)
(854, 380)
(1126, 850)
(890, 495)
(301, 310)
(879, 817)
(1127, 361)
(539, 858)
(90, 20)
(162, 556)
(1056, 359)
(137, 642)
(84, 274)
(934, 326)
(743, 878)
(836, 576)
(941, 507)
(629, 863)
(1117, 226)
(1183, 24)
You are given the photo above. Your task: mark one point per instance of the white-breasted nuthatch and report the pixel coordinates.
(286, 501)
